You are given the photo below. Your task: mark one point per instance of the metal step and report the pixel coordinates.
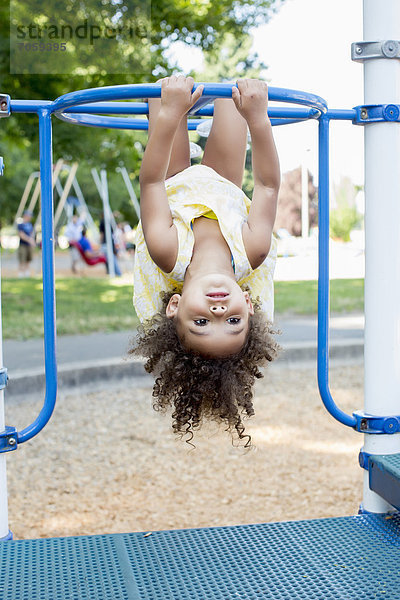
(347, 558)
(384, 477)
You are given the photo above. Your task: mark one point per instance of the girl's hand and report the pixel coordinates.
(251, 99)
(176, 95)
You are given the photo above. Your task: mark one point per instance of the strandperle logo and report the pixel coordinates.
(83, 31)
(100, 38)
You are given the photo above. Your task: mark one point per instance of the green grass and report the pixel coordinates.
(83, 306)
(88, 305)
(300, 297)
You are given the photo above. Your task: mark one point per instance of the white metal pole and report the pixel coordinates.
(3, 473)
(382, 238)
(107, 222)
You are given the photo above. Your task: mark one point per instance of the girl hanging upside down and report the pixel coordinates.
(205, 256)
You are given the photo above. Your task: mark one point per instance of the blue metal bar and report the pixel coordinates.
(125, 92)
(153, 90)
(49, 303)
(100, 121)
(93, 120)
(323, 278)
(341, 115)
(29, 106)
(72, 103)
(141, 108)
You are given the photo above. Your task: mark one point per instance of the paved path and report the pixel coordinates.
(300, 331)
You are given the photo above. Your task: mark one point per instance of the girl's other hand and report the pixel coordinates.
(176, 95)
(251, 99)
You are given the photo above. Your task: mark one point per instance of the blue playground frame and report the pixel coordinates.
(325, 559)
(82, 108)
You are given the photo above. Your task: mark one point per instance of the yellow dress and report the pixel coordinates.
(193, 193)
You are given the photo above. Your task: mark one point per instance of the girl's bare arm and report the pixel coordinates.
(251, 98)
(159, 231)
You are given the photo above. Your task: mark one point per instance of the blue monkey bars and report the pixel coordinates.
(91, 108)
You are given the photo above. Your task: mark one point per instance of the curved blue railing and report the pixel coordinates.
(63, 105)
(82, 107)
(49, 301)
(86, 117)
(323, 278)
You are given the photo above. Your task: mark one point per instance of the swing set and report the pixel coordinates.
(346, 558)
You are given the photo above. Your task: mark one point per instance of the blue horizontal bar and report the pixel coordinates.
(29, 106)
(141, 108)
(341, 114)
(86, 115)
(101, 121)
(153, 90)
(125, 92)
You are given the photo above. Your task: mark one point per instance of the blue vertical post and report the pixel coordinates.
(4, 532)
(49, 303)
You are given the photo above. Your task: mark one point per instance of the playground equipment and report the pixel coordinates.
(328, 559)
(36, 192)
(131, 191)
(64, 203)
(110, 224)
(68, 202)
(89, 261)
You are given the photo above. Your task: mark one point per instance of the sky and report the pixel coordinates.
(307, 46)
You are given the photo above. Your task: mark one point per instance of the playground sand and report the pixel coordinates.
(108, 463)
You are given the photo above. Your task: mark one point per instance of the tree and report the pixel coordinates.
(344, 217)
(123, 59)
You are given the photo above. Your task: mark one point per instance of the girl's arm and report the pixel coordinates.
(159, 231)
(26, 238)
(251, 99)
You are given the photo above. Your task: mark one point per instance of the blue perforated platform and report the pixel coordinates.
(384, 477)
(327, 559)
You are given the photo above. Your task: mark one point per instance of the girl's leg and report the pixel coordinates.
(225, 150)
(180, 153)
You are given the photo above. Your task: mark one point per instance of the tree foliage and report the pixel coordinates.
(344, 217)
(219, 28)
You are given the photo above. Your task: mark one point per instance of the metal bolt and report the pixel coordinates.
(12, 441)
(364, 113)
(364, 424)
(359, 50)
(4, 105)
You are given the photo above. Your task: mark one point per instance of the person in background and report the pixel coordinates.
(27, 242)
(73, 233)
(90, 252)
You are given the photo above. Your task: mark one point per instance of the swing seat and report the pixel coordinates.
(95, 260)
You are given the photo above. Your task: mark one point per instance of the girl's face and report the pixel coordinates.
(211, 315)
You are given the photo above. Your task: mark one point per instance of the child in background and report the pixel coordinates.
(205, 256)
(27, 242)
(73, 233)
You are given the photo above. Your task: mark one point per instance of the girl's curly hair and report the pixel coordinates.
(198, 387)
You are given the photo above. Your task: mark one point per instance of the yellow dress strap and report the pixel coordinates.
(210, 215)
